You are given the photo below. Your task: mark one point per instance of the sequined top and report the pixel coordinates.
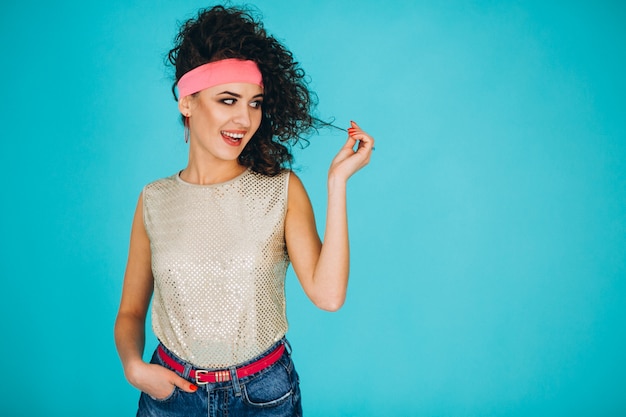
(219, 261)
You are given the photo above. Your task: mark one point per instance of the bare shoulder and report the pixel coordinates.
(297, 195)
(294, 180)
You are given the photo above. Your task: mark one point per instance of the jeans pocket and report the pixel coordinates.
(166, 399)
(271, 388)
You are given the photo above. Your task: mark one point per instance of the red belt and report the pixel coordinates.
(206, 377)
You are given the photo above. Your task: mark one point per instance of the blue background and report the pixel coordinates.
(488, 233)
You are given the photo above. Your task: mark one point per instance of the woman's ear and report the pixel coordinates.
(184, 106)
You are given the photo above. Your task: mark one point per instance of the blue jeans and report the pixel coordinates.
(272, 392)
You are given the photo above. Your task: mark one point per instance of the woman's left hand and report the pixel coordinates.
(349, 160)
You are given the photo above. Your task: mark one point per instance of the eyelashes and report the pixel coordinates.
(231, 102)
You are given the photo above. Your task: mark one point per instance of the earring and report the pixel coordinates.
(186, 123)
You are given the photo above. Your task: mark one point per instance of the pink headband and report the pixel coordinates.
(219, 72)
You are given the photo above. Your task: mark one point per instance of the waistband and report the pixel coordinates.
(203, 377)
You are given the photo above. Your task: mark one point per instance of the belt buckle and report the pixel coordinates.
(199, 374)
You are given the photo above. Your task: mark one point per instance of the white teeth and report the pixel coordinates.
(233, 135)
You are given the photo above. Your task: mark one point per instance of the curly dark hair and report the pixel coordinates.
(228, 32)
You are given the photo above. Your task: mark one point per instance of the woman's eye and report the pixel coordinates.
(256, 104)
(229, 101)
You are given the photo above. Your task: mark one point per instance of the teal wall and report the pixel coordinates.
(488, 233)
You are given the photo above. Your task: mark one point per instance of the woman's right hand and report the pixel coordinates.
(153, 379)
(157, 381)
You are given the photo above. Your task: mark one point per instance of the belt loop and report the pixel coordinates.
(287, 345)
(233, 377)
(187, 371)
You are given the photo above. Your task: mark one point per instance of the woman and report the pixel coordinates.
(212, 243)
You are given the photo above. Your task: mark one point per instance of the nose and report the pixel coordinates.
(242, 116)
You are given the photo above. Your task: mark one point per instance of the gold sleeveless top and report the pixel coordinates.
(219, 261)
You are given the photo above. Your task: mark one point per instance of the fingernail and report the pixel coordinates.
(193, 387)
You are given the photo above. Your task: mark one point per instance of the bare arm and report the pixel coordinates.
(323, 269)
(131, 318)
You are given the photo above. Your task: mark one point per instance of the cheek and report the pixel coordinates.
(212, 114)
(256, 119)
(258, 114)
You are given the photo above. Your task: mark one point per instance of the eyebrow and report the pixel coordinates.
(237, 95)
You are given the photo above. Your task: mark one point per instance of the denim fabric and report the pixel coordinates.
(272, 392)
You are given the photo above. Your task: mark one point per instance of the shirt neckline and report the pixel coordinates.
(217, 184)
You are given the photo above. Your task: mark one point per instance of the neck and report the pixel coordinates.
(206, 174)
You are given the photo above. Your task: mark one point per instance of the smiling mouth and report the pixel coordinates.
(232, 137)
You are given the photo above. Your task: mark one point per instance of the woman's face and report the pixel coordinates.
(223, 118)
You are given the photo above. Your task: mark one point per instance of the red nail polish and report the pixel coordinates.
(193, 387)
